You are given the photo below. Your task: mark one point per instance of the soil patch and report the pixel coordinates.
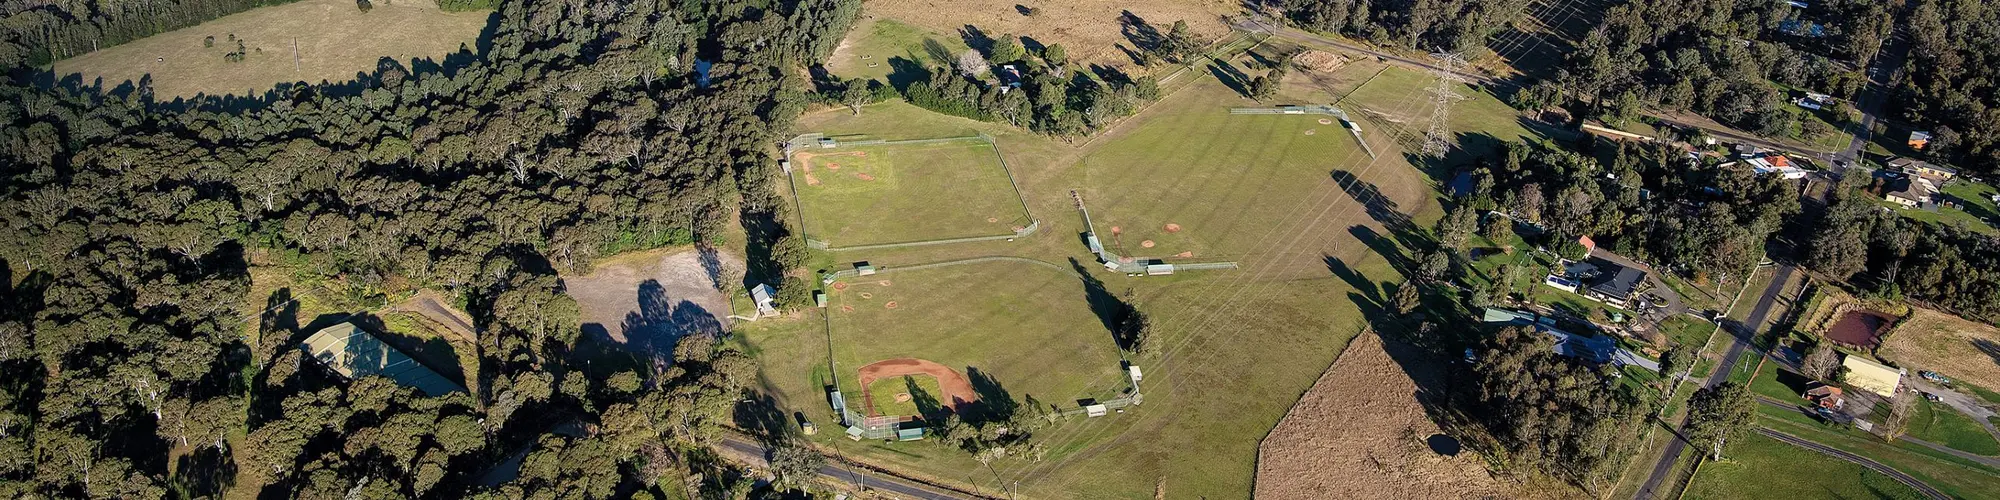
(1964, 350)
(1860, 328)
(1361, 433)
(644, 300)
(952, 386)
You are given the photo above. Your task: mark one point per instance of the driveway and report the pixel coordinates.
(1968, 405)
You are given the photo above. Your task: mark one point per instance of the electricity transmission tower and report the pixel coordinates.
(1444, 91)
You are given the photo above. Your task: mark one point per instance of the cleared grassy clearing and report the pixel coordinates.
(878, 49)
(1941, 424)
(1950, 345)
(335, 41)
(899, 193)
(1761, 467)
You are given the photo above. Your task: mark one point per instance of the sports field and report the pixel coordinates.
(900, 193)
(877, 49)
(334, 39)
(1017, 330)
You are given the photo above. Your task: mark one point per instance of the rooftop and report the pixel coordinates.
(353, 352)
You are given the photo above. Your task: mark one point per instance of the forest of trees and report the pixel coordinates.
(1049, 96)
(1891, 256)
(1651, 202)
(584, 129)
(1718, 58)
(1953, 82)
(1550, 413)
(1440, 25)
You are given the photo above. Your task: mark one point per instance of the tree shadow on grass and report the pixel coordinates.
(995, 403)
(1231, 77)
(761, 416)
(1111, 310)
(928, 406)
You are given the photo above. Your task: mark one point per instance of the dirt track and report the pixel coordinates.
(1359, 433)
(955, 387)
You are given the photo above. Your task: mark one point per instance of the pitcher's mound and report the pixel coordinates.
(902, 397)
(1173, 228)
(1147, 243)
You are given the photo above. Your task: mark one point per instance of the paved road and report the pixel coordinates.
(750, 450)
(1881, 78)
(1656, 484)
(1899, 476)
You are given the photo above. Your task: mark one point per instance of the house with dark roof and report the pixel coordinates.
(1593, 348)
(1605, 280)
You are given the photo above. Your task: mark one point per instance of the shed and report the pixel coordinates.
(819, 298)
(827, 142)
(1096, 410)
(762, 295)
(353, 352)
(1134, 369)
(1868, 375)
(910, 434)
(1159, 269)
(1919, 139)
(864, 268)
(854, 433)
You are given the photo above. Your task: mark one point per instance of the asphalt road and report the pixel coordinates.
(1881, 77)
(1899, 476)
(856, 477)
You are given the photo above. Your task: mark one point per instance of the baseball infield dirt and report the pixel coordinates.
(1360, 433)
(954, 386)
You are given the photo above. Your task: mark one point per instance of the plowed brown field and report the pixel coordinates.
(1359, 433)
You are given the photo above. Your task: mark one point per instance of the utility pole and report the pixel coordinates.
(1444, 94)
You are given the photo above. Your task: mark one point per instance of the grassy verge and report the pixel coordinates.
(1760, 467)
(1955, 476)
(1941, 424)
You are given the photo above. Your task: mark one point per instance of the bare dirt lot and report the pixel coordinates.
(1360, 433)
(1090, 30)
(1947, 344)
(335, 41)
(646, 300)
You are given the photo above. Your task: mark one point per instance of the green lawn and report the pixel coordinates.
(1760, 467)
(1780, 384)
(876, 48)
(1941, 424)
(1955, 476)
(1028, 328)
(870, 194)
(1687, 330)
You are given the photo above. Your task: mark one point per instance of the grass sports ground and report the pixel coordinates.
(1014, 329)
(906, 192)
(1316, 260)
(335, 40)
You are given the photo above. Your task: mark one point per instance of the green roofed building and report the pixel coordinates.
(353, 352)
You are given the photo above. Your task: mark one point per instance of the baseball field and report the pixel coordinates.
(905, 192)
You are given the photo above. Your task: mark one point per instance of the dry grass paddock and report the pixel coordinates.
(643, 301)
(1090, 30)
(335, 41)
(1950, 345)
(1360, 433)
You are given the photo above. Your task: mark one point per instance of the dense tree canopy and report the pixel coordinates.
(586, 128)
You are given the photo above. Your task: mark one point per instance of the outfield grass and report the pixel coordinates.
(900, 193)
(335, 40)
(1944, 425)
(1760, 467)
(1029, 328)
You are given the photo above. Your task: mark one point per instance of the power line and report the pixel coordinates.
(1444, 94)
